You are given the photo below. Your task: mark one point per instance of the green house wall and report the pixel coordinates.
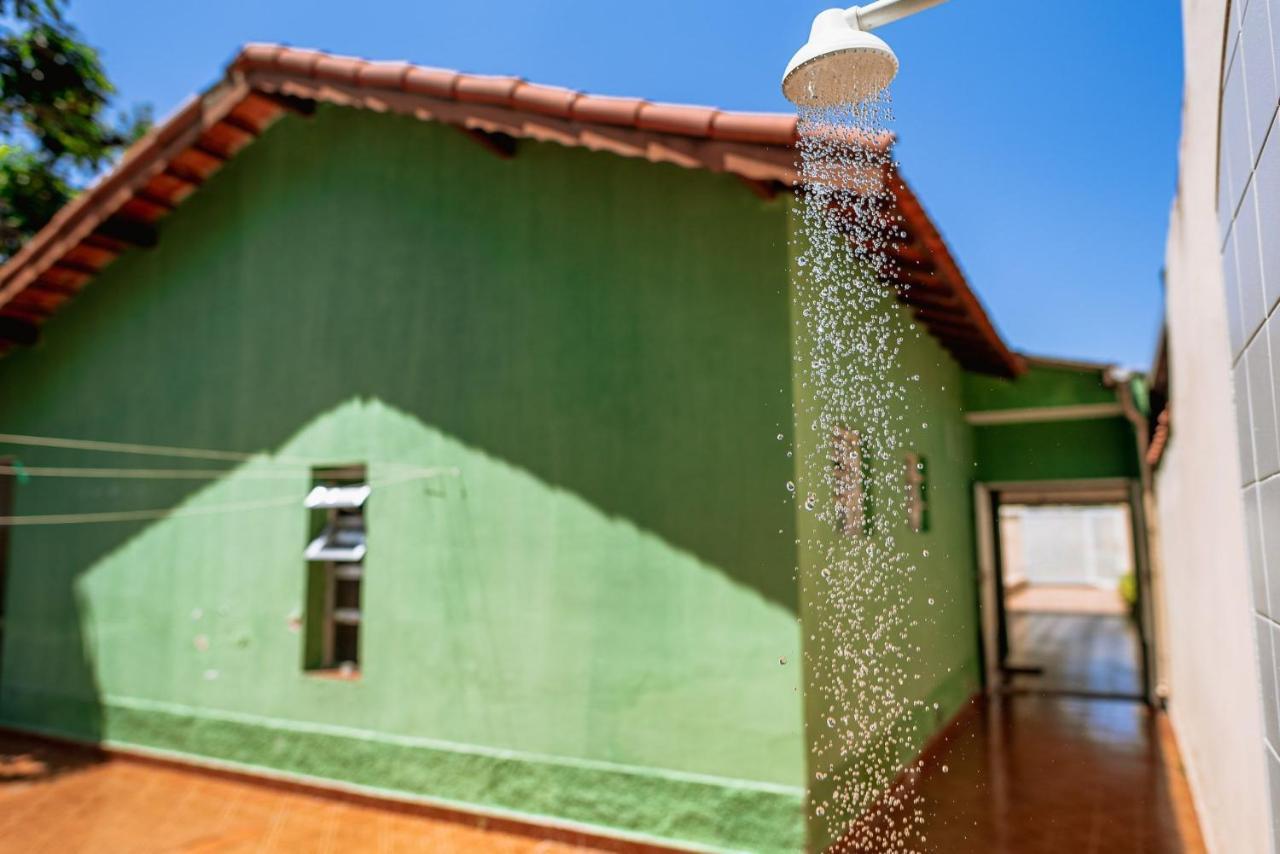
(1103, 447)
(585, 625)
(1043, 384)
(937, 577)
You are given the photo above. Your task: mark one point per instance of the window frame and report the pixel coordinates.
(337, 504)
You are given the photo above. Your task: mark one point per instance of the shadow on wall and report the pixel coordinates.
(649, 384)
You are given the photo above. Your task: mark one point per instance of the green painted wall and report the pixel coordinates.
(1050, 450)
(938, 608)
(1056, 450)
(1041, 385)
(586, 624)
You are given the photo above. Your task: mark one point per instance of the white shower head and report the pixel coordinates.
(843, 63)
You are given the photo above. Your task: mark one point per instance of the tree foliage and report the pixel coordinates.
(54, 129)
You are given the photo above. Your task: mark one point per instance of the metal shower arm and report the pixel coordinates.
(876, 15)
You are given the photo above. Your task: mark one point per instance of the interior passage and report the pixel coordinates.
(1070, 600)
(1073, 652)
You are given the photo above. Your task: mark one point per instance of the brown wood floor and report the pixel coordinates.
(1083, 653)
(1041, 775)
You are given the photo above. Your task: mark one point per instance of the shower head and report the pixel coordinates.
(843, 63)
(839, 64)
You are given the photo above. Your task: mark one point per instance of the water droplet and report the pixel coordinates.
(783, 661)
(791, 487)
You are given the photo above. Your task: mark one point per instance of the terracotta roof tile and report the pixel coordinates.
(676, 118)
(257, 56)
(294, 61)
(551, 100)
(763, 128)
(436, 82)
(483, 89)
(338, 69)
(383, 75)
(266, 80)
(599, 109)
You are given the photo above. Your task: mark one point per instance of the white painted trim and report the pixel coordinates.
(1084, 484)
(1097, 491)
(1038, 414)
(1102, 490)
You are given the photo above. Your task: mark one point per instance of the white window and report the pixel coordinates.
(335, 555)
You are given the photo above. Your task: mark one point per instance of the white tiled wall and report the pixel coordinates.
(1249, 217)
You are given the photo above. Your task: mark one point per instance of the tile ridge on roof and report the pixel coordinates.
(516, 93)
(758, 147)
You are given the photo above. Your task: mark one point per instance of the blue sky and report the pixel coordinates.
(1041, 136)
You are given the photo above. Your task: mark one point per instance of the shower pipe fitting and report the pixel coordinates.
(878, 14)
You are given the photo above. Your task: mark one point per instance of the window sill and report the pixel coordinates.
(335, 674)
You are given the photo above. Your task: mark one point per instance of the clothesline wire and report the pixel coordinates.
(166, 450)
(175, 474)
(180, 512)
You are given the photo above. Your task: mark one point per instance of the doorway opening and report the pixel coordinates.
(1063, 576)
(1070, 594)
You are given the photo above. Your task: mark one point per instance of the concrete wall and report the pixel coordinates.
(1210, 658)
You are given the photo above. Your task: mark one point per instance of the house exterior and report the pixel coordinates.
(423, 439)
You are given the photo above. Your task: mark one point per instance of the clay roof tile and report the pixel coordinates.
(762, 128)
(485, 89)
(551, 100)
(436, 82)
(337, 69)
(383, 75)
(607, 111)
(257, 56)
(742, 146)
(676, 118)
(294, 61)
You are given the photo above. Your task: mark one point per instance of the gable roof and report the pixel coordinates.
(264, 82)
